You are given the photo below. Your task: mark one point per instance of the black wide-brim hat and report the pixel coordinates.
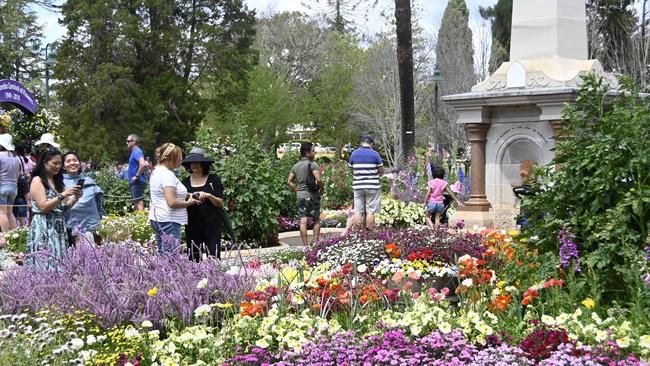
(196, 155)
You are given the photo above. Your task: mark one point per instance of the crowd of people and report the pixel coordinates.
(66, 204)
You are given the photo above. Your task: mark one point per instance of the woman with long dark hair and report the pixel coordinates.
(82, 219)
(48, 238)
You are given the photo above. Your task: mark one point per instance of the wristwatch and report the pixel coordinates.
(61, 197)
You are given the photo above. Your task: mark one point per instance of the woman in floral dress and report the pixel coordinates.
(48, 238)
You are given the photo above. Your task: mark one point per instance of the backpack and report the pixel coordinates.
(312, 186)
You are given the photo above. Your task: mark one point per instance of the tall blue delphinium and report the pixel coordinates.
(461, 175)
(568, 250)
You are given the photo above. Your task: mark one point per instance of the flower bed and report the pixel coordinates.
(351, 300)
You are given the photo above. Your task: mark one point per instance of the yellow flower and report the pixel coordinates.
(588, 303)
(500, 284)
(224, 306)
(152, 292)
(513, 233)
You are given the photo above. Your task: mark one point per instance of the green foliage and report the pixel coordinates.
(254, 183)
(455, 59)
(139, 69)
(337, 178)
(332, 91)
(601, 192)
(20, 41)
(501, 16)
(117, 196)
(274, 104)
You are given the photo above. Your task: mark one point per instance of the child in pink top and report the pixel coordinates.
(434, 200)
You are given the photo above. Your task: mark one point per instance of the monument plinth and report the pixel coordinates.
(512, 117)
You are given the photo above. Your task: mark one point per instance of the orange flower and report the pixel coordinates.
(503, 301)
(393, 250)
(529, 295)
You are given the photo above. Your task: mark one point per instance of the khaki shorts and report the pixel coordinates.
(367, 201)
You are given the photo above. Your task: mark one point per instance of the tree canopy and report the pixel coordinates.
(139, 69)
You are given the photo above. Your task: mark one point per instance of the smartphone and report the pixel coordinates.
(81, 182)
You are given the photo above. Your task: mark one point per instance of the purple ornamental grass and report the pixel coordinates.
(112, 281)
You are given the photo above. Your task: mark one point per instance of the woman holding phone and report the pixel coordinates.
(47, 241)
(82, 220)
(203, 230)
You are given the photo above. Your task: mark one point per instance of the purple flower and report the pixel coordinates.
(568, 250)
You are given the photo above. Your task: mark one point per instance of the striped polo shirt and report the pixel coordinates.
(365, 163)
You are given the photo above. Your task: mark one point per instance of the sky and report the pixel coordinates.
(430, 16)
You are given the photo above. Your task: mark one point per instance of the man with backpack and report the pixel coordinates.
(305, 180)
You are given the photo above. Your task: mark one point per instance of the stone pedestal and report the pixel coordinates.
(476, 211)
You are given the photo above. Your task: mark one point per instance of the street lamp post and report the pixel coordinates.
(437, 77)
(50, 60)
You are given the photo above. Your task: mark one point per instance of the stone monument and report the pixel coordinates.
(514, 115)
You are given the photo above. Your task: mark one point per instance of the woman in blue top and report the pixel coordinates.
(82, 219)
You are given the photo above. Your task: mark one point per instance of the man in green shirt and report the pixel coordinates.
(307, 195)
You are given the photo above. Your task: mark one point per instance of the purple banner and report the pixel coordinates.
(13, 92)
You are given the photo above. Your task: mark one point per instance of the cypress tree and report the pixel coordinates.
(455, 58)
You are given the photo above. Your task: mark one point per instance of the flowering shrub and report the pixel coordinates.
(120, 283)
(132, 226)
(410, 184)
(400, 214)
(15, 240)
(439, 244)
(337, 178)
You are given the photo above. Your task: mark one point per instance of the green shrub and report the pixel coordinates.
(337, 178)
(254, 183)
(601, 192)
(130, 226)
(117, 196)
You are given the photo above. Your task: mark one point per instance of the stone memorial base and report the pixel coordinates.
(475, 218)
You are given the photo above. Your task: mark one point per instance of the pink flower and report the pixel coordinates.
(414, 275)
(397, 277)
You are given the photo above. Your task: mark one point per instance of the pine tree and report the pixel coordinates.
(455, 58)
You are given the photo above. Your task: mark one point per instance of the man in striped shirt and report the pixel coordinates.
(366, 166)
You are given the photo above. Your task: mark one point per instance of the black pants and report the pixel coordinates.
(203, 239)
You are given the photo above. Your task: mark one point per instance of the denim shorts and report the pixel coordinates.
(168, 235)
(137, 190)
(8, 194)
(435, 207)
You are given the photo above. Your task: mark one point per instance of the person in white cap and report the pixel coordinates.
(45, 142)
(9, 172)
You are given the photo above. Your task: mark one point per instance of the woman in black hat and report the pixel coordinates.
(203, 230)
